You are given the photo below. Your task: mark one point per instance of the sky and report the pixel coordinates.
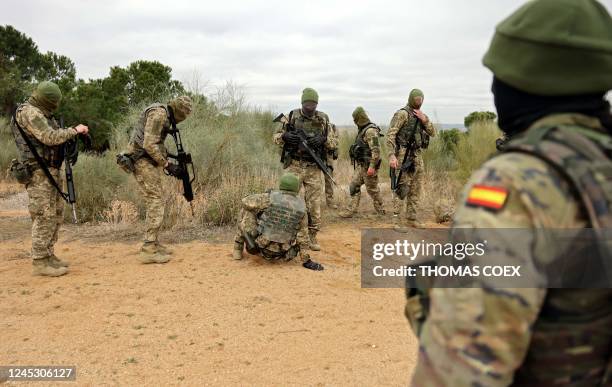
(369, 53)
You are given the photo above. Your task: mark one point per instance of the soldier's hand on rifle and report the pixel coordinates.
(316, 141)
(393, 162)
(290, 138)
(371, 171)
(174, 169)
(420, 115)
(81, 129)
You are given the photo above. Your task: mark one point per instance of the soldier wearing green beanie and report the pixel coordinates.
(322, 139)
(274, 225)
(365, 156)
(552, 66)
(408, 134)
(149, 156)
(46, 205)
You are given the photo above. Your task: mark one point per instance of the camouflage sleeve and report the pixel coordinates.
(332, 135)
(398, 120)
(480, 336)
(34, 122)
(429, 128)
(372, 138)
(256, 203)
(303, 240)
(277, 137)
(152, 144)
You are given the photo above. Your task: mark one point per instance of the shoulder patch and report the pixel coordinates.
(489, 197)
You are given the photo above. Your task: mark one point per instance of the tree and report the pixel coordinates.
(478, 117)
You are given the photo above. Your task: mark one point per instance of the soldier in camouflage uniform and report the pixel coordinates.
(365, 154)
(149, 154)
(297, 161)
(46, 205)
(332, 157)
(552, 66)
(409, 130)
(276, 223)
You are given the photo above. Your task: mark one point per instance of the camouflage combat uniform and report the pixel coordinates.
(398, 137)
(554, 173)
(149, 153)
(302, 166)
(365, 153)
(284, 234)
(46, 206)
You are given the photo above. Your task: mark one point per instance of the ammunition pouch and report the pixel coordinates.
(126, 162)
(21, 172)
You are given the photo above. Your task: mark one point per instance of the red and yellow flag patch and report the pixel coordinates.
(485, 196)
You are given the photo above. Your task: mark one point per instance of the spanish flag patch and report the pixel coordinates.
(485, 196)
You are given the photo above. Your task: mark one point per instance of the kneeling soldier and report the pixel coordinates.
(275, 225)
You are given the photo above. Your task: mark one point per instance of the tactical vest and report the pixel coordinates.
(52, 155)
(137, 138)
(411, 133)
(280, 222)
(360, 151)
(312, 127)
(573, 333)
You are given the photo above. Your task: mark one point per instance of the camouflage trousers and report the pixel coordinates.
(149, 183)
(247, 223)
(360, 177)
(46, 208)
(409, 189)
(310, 178)
(329, 186)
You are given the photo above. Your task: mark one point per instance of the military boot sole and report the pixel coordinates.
(49, 271)
(153, 258)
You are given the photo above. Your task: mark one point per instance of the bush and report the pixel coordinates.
(7, 144)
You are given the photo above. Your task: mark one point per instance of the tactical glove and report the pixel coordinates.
(291, 138)
(174, 170)
(312, 265)
(316, 141)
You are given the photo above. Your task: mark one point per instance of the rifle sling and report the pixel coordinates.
(39, 160)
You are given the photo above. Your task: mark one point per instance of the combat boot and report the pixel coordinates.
(314, 244)
(352, 207)
(415, 223)
(55, 261)
(347, 213)
(398, 226)
(237, 253)
(379, 208)
(149, 253)
(163, 249)
(44, 267)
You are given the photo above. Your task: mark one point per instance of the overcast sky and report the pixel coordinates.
(369, 53)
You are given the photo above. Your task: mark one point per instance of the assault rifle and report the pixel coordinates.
(304, 143)
(183, 160)
(407, 162)
(71, 153)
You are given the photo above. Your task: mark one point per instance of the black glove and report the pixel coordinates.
(316, 141)
(174, 170)
(71, 150)
(312, 265)
(291, 138)
(500, 143)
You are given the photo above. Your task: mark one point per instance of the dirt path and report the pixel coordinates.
(202, 319)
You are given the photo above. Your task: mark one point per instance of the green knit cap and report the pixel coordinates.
(554, 48)
(289, 182)
(413, 94)
(309, 94)
(360, 117)
(47, 96)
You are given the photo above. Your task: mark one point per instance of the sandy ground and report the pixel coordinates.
(201, 319)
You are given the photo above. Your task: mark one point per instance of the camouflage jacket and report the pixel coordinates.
(402, 119)
(484, 337)
(256, 204)
(318, 123)
(151, 133)
(44, 133)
